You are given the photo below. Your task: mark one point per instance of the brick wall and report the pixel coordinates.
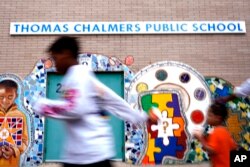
(226, 56)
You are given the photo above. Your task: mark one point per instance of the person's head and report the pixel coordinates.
(8, 93)
(217, 114)
(64, 52)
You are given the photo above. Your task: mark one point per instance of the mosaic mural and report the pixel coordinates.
(16, 130)
(178, 92)
(34, 85)
(239, 115)
(182, 97)
(168, 138)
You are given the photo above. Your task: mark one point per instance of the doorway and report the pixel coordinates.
(113, 80)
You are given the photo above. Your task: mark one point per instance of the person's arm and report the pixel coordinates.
(114, 104)
(200, 137)
(240, 91)
(68, 106)
(62, 108)
(243, 90)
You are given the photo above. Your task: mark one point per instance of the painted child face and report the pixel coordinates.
(7, 97)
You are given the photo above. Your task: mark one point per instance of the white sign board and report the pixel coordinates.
(88, 28)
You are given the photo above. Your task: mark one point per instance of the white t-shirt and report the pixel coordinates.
(89, 136)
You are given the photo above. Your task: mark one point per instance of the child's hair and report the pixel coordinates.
(219, 109)
(65, 43)
(9, 84)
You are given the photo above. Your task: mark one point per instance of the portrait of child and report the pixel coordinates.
(13, 125)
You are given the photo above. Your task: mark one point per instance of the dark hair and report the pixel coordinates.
(65, 43)
(9, 84)
(219, 109)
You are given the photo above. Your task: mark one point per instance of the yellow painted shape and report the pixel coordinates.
(212, 88)
(247, 137)
(162, 100)
(152, 149)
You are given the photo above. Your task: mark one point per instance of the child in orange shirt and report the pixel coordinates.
(219, 142)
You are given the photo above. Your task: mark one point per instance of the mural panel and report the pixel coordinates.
(184, 107)
(239, 115)
(34, 85)
(16, 132)
(168, 139)
(179, 93)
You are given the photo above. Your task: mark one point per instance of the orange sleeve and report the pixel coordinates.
(233, 144)
(213, 141)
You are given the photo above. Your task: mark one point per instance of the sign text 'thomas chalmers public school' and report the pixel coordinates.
(88, 28)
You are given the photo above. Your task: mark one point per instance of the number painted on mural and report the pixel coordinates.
(59, 88)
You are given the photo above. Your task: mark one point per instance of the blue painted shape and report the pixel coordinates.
(169, 150)
(222, 92)
(175, 104)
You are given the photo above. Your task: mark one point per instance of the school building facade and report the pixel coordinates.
(175, 55)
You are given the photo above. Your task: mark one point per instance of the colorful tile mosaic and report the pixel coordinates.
(239, 115)
(182, 97)
(30, 117)
(179, 92)
(34, 85)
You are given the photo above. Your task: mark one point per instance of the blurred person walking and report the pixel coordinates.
(89, 137)
(219, 142)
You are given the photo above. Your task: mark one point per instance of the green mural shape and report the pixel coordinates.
(146, 101)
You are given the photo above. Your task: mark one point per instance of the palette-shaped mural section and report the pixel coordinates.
(170, 133)
(181, 97)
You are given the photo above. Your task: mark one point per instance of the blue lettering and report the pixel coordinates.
(113, 27)
(57, 28)
(172, 28)
(122, 27)
(239, 29)
(17, 26)
(183, 27)
(103, 28)
(195, 27)
(231, 27)
(137, 27)
(46, 28)
(86, 27)
(129, 28)
(177, 27)
(76, 28)
(157, 28)
(211, 27)
(25, 28)
(65, 28)
(148, 26)
(35, 28)
(96, 28)
(165, 27)
(201, 27)
(221, 25)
